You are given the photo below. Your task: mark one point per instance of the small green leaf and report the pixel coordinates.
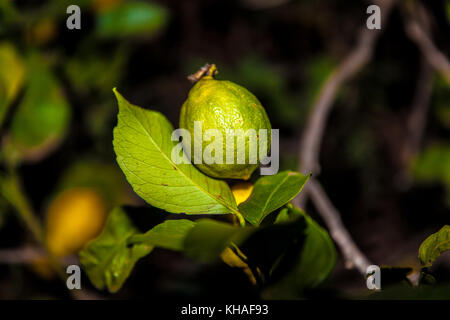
(131, 18)
(207, 240)
(170, 234)
(142, 142)
(434, 246)
(109, 259)
(271, 193)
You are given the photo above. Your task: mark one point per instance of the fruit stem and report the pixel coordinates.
(208, 71)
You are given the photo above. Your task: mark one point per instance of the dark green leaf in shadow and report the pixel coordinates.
(271, 193)
(170, 234)
(207, 240)
(314, 263)
(275, 249)
(434, 246)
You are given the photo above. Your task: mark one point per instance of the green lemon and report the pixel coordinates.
(224, 105)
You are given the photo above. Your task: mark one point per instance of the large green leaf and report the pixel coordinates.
(142, 142)
(109, 259)
(271, 193)
(130, 18)
(434, 246)
(42, 117)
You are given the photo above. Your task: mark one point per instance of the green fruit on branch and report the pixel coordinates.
(225, 106)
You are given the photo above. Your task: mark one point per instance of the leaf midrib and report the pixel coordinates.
(270, 197)
(178, 168)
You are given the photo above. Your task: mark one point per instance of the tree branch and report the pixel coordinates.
(313, 135)
(418, 33)
(354, 258)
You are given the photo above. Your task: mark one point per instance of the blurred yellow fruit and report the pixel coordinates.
(241, 191)
(74, 217)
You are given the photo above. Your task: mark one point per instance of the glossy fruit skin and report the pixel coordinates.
(224, 105)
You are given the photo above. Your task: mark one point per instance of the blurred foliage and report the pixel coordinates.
(131, 18)
(434, 246)
(433, 166)
(105, 178)
(441, 104)
(11, 77)
(282, 54)
(42, 117)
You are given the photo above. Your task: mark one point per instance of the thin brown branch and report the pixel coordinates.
(313, 135)
(418, 33)
(354, 258)
(315, 126)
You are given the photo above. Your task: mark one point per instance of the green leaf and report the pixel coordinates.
(131, 18)
(41, 119)
(318, 256)
(271, 193)
(109, 259)
(434, 246)
(207, 240)
(313, 264)
(12, 76)
(170, 234)
(142, 142)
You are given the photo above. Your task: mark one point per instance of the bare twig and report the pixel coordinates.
(417, 32)
(315, 126)
(353, 256)
(313, 135)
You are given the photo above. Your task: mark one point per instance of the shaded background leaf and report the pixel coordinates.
(11, 77)
(132, 18)
(434, 246)
(42, 117)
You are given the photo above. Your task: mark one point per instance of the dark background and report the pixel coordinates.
(282, 51)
